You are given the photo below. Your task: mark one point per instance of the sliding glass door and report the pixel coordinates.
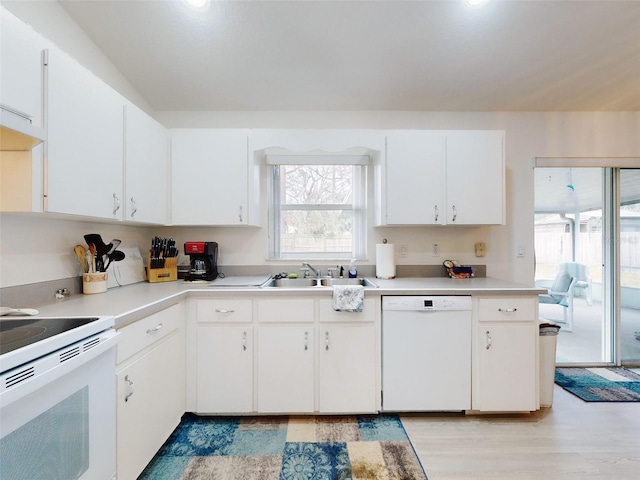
(587, 224)
(569, 238)
(629, 211)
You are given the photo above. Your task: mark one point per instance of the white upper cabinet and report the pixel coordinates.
(415, 178)
(21, 67)
(147, 167)
(213, 178)
(84, 151)
(442, 178)
(475, 177)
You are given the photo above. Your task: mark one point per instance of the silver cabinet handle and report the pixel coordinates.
(508, 310)
(134, 207)
(326, 341)
(240, 213)
(436, 212)
(488, 340)
(116, 203)
(129, 388)
(155, 329)
(455, 213)
(306, 341)
(244, 341)
(224, 310)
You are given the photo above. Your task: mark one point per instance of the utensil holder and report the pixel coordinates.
(169, 273)
(94, 283)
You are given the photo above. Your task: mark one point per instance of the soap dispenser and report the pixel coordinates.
(353, 273)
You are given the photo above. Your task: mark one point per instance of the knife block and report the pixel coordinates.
(169, 273)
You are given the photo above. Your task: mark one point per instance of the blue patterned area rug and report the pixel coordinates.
(606, 384)
(363, 447)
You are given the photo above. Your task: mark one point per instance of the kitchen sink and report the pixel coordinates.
(318, 282)
(329, 282)
(293, 282)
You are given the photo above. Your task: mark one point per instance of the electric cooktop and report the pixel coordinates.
(16, 334)
(25, 339)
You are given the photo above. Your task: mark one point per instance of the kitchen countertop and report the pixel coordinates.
(133, 302)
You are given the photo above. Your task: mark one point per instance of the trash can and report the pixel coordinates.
(547, 354)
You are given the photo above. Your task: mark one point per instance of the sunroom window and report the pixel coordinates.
(317, 206)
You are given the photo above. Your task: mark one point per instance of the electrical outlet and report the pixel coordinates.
(435, 250)
(403, 250)
(481, 249)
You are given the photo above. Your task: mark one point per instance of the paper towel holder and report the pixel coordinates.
(385, 269)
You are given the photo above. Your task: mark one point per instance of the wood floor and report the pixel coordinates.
(573, 440)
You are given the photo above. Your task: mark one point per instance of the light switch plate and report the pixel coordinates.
(481, 249)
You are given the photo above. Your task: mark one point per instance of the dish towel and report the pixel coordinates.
(348, 298)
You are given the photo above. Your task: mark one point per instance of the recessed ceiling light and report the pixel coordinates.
(197, 4)
(476, 3)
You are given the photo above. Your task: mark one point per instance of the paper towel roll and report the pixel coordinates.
(385, 261)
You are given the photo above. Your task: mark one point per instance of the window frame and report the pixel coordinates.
(358, 205)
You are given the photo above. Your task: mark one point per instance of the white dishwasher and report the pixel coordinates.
(426, 353)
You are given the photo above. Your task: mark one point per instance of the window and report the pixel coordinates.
(317, 207)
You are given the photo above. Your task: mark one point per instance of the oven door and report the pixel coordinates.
(66, 427)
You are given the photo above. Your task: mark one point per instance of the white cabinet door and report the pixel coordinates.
(84, 151)
(475, 178)
(151, 401)
(347, 373)
(147, 166)
(210, 177)
(21, 67)
(285, 369)
(415, 178)
(224, 369)
(506, 369)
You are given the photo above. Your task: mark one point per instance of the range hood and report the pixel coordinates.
(17, 133)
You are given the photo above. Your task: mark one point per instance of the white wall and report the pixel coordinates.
(34, 248)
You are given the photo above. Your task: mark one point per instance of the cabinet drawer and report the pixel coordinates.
(509, 309)
(225, 311)
(328, 314)
(149, 330)
(299, 310)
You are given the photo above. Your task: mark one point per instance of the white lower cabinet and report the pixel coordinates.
(151, 389)
(347, 373)
(286, 368)
(224, 356)
(505, 376)
(286, 355)
(348, 359)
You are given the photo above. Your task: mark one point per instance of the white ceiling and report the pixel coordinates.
(373, 55)
(570, 190)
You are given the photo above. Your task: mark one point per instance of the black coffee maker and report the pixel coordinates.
(204, 261)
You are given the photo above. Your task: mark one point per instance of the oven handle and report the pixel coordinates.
(108, 340)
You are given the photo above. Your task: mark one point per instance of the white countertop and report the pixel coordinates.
(132, 302)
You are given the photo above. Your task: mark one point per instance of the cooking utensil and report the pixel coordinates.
(114, 256)
(115, 243)
(92, 249)
(96, 239)
(17, 311)
(81, 253)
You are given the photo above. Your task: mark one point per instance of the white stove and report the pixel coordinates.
(58, 397)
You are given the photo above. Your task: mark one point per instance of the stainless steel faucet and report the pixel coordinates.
(309, 267)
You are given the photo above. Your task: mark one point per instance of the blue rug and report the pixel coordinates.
(606, 384)
(363, 447)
